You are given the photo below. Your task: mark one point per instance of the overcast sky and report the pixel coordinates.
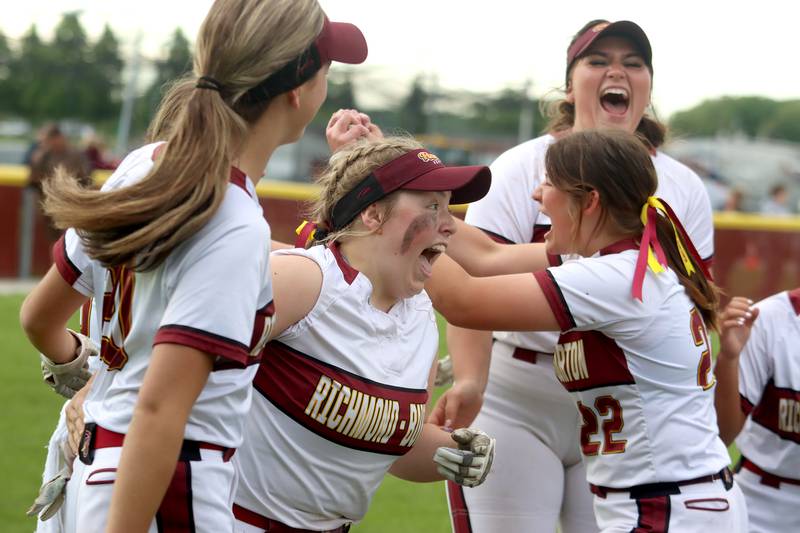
(701, 48)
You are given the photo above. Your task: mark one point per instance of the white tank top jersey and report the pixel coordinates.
(640, 371)
(769, 386)
(212, 293)
(340, 395)
(510, 215)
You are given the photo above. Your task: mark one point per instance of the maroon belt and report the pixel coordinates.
(273, 526)
(95, 437)
(770, 480)
(529, 356)
(651, 490)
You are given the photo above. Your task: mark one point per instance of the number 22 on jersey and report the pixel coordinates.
(117, 303)
(705, 378)
(608, 410)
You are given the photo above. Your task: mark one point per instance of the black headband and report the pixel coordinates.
(368, 191)
(295, 73)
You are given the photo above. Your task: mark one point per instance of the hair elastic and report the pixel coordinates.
(207, 82)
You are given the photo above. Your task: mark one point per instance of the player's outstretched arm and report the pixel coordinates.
(500, 303)
(173, 381)
(349, 125)
(470, 352)
(463, 456)
(479, 255)
(736, 323)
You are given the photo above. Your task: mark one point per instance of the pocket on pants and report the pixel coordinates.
(102, 476)
(716, 505)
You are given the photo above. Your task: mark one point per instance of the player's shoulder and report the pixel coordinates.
(603, 271)
(671, 169)
(783, 305)
(133, 167)
(526, 152)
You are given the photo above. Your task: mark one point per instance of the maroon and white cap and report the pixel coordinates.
(417, 170)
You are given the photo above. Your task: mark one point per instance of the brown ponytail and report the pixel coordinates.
(240, 43)
(703, 292)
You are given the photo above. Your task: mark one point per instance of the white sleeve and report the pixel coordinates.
(592, 294)
(755, 362)
(508, 212)
(215, 299)
(698, 220)
(73, 264)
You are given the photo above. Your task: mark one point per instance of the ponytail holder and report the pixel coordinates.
(651, 249)
(207, 82)
(308, 232)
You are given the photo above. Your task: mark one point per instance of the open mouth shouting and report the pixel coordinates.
(615, 100)
(428, 256)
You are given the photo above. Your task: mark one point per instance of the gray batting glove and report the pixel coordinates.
(470, 463)
(51, 496)
(444, 371)
(52, 493)
(68, 378)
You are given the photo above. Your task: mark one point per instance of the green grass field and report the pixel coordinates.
(32, 411)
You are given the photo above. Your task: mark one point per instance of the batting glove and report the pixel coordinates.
(470, 463)
(52, 493)
(68, 378)
(444, 371)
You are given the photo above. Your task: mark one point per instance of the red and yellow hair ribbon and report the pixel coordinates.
(306, 233)
(650, 251)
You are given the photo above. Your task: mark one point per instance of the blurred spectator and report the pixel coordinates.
(94, 150)
(735, 200)
(35, 144)
(778, 202)
(55, 151)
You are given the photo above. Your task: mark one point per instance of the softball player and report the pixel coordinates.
(758, 399)
(85, 277)
(187, 302)
(633, 350)
(342, 387)
(609, 75)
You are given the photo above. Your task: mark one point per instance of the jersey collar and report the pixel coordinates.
(620, 246)
(347, 269)
(794, 299)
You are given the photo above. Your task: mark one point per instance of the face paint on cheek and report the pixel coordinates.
(418, 225)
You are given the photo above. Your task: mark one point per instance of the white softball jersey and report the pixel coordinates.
(212, 293)
(509, 213)
(769, 387)
(639, 370)
(340, 395)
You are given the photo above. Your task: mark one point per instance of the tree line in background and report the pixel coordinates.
(72, 77)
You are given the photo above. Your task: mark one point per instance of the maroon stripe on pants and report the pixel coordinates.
(653, 515)
(458, 508)
(176, 515)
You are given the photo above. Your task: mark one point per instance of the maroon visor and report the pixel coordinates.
(418, 170)
(342, 42)
(622, 28)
